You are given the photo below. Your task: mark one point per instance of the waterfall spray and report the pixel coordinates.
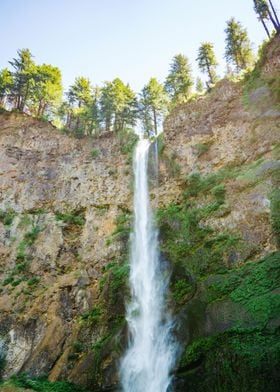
(151, 353)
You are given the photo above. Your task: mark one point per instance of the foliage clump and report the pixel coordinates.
(275, 214)
(233, 361)
(42, 384)
(71, 218)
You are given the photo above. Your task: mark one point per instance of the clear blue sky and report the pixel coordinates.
(130, 39)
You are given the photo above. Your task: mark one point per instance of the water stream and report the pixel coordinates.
(151, 353)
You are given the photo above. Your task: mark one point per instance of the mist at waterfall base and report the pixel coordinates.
(152, 349)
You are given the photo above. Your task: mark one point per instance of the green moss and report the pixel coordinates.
(191, 244)
(233, 361)
(123, 226)
(275, 213)
(93, 316)
(34, 281)
(7, 217)
(32, 235)
(42, 384)
(180, 290)
(115, 276)
(201, 148)
(78, 346)
(71, 218)
(95, 152)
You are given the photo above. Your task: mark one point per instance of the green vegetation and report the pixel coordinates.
(89, 110)
(42, 384)
(267, 12)
(92, 316)
(33, 281)
(275, 213)
(207, 62)
(23, 259)
(115, 275)
(36, 88)
(238, 47)
(123, 226)
(179, 81)
(233, 361)
(180, 291)
(128, 140)
(257, 78)
(71, 218)
(7, 217)
(152, 106)
(95, 152)
(201, 148)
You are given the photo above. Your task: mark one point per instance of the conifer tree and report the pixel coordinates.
(261, 9)
(238, 47)
(207, 62)
(118, 105)
(47, 90)
(23, 78)
(152, 105)
(179, 81)
(273, 17)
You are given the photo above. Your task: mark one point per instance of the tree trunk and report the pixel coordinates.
(265, 27)
(276, 26)
(275, 14)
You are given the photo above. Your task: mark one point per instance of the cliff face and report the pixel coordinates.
(220, 166)
(60, 202)
(64, 224)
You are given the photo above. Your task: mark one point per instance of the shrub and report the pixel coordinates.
(7, 217)
(71, 218)
(95, 152)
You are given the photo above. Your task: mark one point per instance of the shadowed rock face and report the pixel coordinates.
(64, 224)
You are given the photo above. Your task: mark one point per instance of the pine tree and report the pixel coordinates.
(79, 96)
(261, 9)
(207, 62)
(47, 89)
(23, 78)
(118, 105)
(179, 81)
(273, 17)
(238, 46)
(152, 105)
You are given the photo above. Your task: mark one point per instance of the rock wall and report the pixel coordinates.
(59, 207)
(219, 223)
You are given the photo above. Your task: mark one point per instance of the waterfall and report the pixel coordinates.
(151, 353)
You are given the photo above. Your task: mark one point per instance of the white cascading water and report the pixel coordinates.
(151, 353)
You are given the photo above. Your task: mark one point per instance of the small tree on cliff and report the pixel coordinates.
(46, 91)
(238, 47)
(207, 62)
(118, 105)
(152, 105)
(274, 17)
(23, 80)
(261, 9)
(179, 81)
